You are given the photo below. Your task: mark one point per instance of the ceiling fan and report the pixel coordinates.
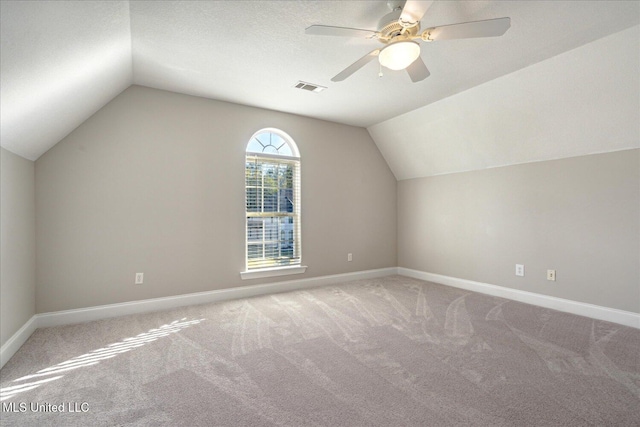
(399, 29)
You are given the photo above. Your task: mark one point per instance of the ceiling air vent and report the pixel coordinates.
(309, 86)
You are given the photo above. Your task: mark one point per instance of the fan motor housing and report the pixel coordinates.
(390, 28)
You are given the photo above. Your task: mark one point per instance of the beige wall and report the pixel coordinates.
(153, 183)
(17, 243)
(579, 216)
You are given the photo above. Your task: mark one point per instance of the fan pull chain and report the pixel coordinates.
(380, 70)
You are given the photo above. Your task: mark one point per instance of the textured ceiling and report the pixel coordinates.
(62, 61)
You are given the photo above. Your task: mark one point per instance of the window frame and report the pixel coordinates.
(284, 269)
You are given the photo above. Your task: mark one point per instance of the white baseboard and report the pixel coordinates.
(621, 317)
(88, 314)
(15, 342)
(68, 317)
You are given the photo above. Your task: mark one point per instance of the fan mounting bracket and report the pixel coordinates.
(395, 5)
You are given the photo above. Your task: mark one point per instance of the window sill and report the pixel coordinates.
(272, 272)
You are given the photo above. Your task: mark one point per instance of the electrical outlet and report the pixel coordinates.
(551, 275)
(139, 278)
(519, 269)
(349, 257)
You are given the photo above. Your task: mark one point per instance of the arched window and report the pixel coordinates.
(272, 188)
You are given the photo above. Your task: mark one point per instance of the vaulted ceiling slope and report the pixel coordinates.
(62, 61)
(584, 101)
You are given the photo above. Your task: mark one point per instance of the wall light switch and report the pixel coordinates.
(349, 257)
(519, 269)
(139, 278)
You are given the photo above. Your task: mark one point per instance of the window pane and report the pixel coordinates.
(254, 201)
(254, 229)
(254, 251)
(271, 250)
(255, 146)
(270, 149)
(286, 200)
(281, 145)
(264, 138)
(268, 142)
(270, 229)
(270, 175)
(286, 236)
(252, 174)
(285, 176)
(270, 200)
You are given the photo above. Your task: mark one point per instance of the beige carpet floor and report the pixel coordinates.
(392, 351)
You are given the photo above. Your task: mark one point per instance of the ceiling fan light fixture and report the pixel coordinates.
(399, 55)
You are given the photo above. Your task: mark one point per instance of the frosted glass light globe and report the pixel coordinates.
(399, 55)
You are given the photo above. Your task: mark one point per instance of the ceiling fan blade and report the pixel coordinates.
(414, 10)
(418, 71)
(356, 66)
(328, 30)
(489, 28)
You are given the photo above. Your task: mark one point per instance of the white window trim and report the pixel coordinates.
(286, 269)
(272, 272)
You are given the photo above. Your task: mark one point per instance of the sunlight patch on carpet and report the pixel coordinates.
(94, 357)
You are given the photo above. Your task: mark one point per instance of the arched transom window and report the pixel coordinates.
(272, 186)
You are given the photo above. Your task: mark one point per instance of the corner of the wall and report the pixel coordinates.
(16, 341)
